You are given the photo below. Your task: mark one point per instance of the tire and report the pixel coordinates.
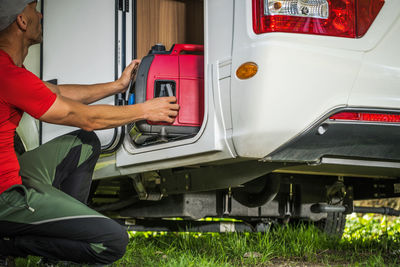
(333, 225)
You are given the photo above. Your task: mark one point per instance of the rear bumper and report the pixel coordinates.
(371, 149)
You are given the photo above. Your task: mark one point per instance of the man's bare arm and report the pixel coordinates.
(65, 111)
(87, 94)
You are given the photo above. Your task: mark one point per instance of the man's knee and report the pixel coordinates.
(118, 245)
(114, 247)
(91, 139)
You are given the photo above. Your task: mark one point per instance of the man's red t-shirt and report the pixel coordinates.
(20, 91)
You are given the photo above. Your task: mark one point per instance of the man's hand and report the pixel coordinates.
(128, 74)
(161, 109)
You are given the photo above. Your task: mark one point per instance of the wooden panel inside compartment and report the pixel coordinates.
(168, 22)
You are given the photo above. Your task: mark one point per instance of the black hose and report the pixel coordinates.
(379, 210)
(325, 208)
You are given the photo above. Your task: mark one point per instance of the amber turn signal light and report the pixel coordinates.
(247, 70)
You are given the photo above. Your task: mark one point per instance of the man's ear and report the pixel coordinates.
(22, 22)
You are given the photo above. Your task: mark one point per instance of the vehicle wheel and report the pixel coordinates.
(333, 225)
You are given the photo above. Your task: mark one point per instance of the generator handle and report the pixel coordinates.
(179, 48)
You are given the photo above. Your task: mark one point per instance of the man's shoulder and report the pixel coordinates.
(16, 81)
(12, 75)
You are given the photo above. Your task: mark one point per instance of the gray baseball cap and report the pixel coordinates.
(9, 10)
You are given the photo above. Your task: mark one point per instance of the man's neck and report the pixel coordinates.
(15, 48)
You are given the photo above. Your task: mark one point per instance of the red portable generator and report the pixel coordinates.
(178, 72)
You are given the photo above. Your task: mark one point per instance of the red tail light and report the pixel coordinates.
(368, 117)
(343, 18)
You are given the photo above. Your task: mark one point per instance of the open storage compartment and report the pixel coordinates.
(168, 22)
(169, 39)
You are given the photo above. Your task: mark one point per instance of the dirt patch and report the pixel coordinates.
(291, 263)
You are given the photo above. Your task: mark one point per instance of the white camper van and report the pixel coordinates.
(301, 108)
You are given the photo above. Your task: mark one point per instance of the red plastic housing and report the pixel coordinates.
(347, 18)
(186, 70)
(368, 117)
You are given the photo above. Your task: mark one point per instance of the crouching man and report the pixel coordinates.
(44, 191)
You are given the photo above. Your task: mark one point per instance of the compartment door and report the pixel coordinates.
(81, 46)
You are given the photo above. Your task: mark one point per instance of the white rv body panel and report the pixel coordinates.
(378, 81)
(78, 48)
(300, 79)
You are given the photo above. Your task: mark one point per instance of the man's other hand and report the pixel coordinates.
(128, 74)
(161, 109)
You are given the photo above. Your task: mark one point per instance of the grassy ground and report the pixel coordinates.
(368, 241)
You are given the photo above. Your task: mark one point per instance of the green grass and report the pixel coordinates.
(368, 241)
